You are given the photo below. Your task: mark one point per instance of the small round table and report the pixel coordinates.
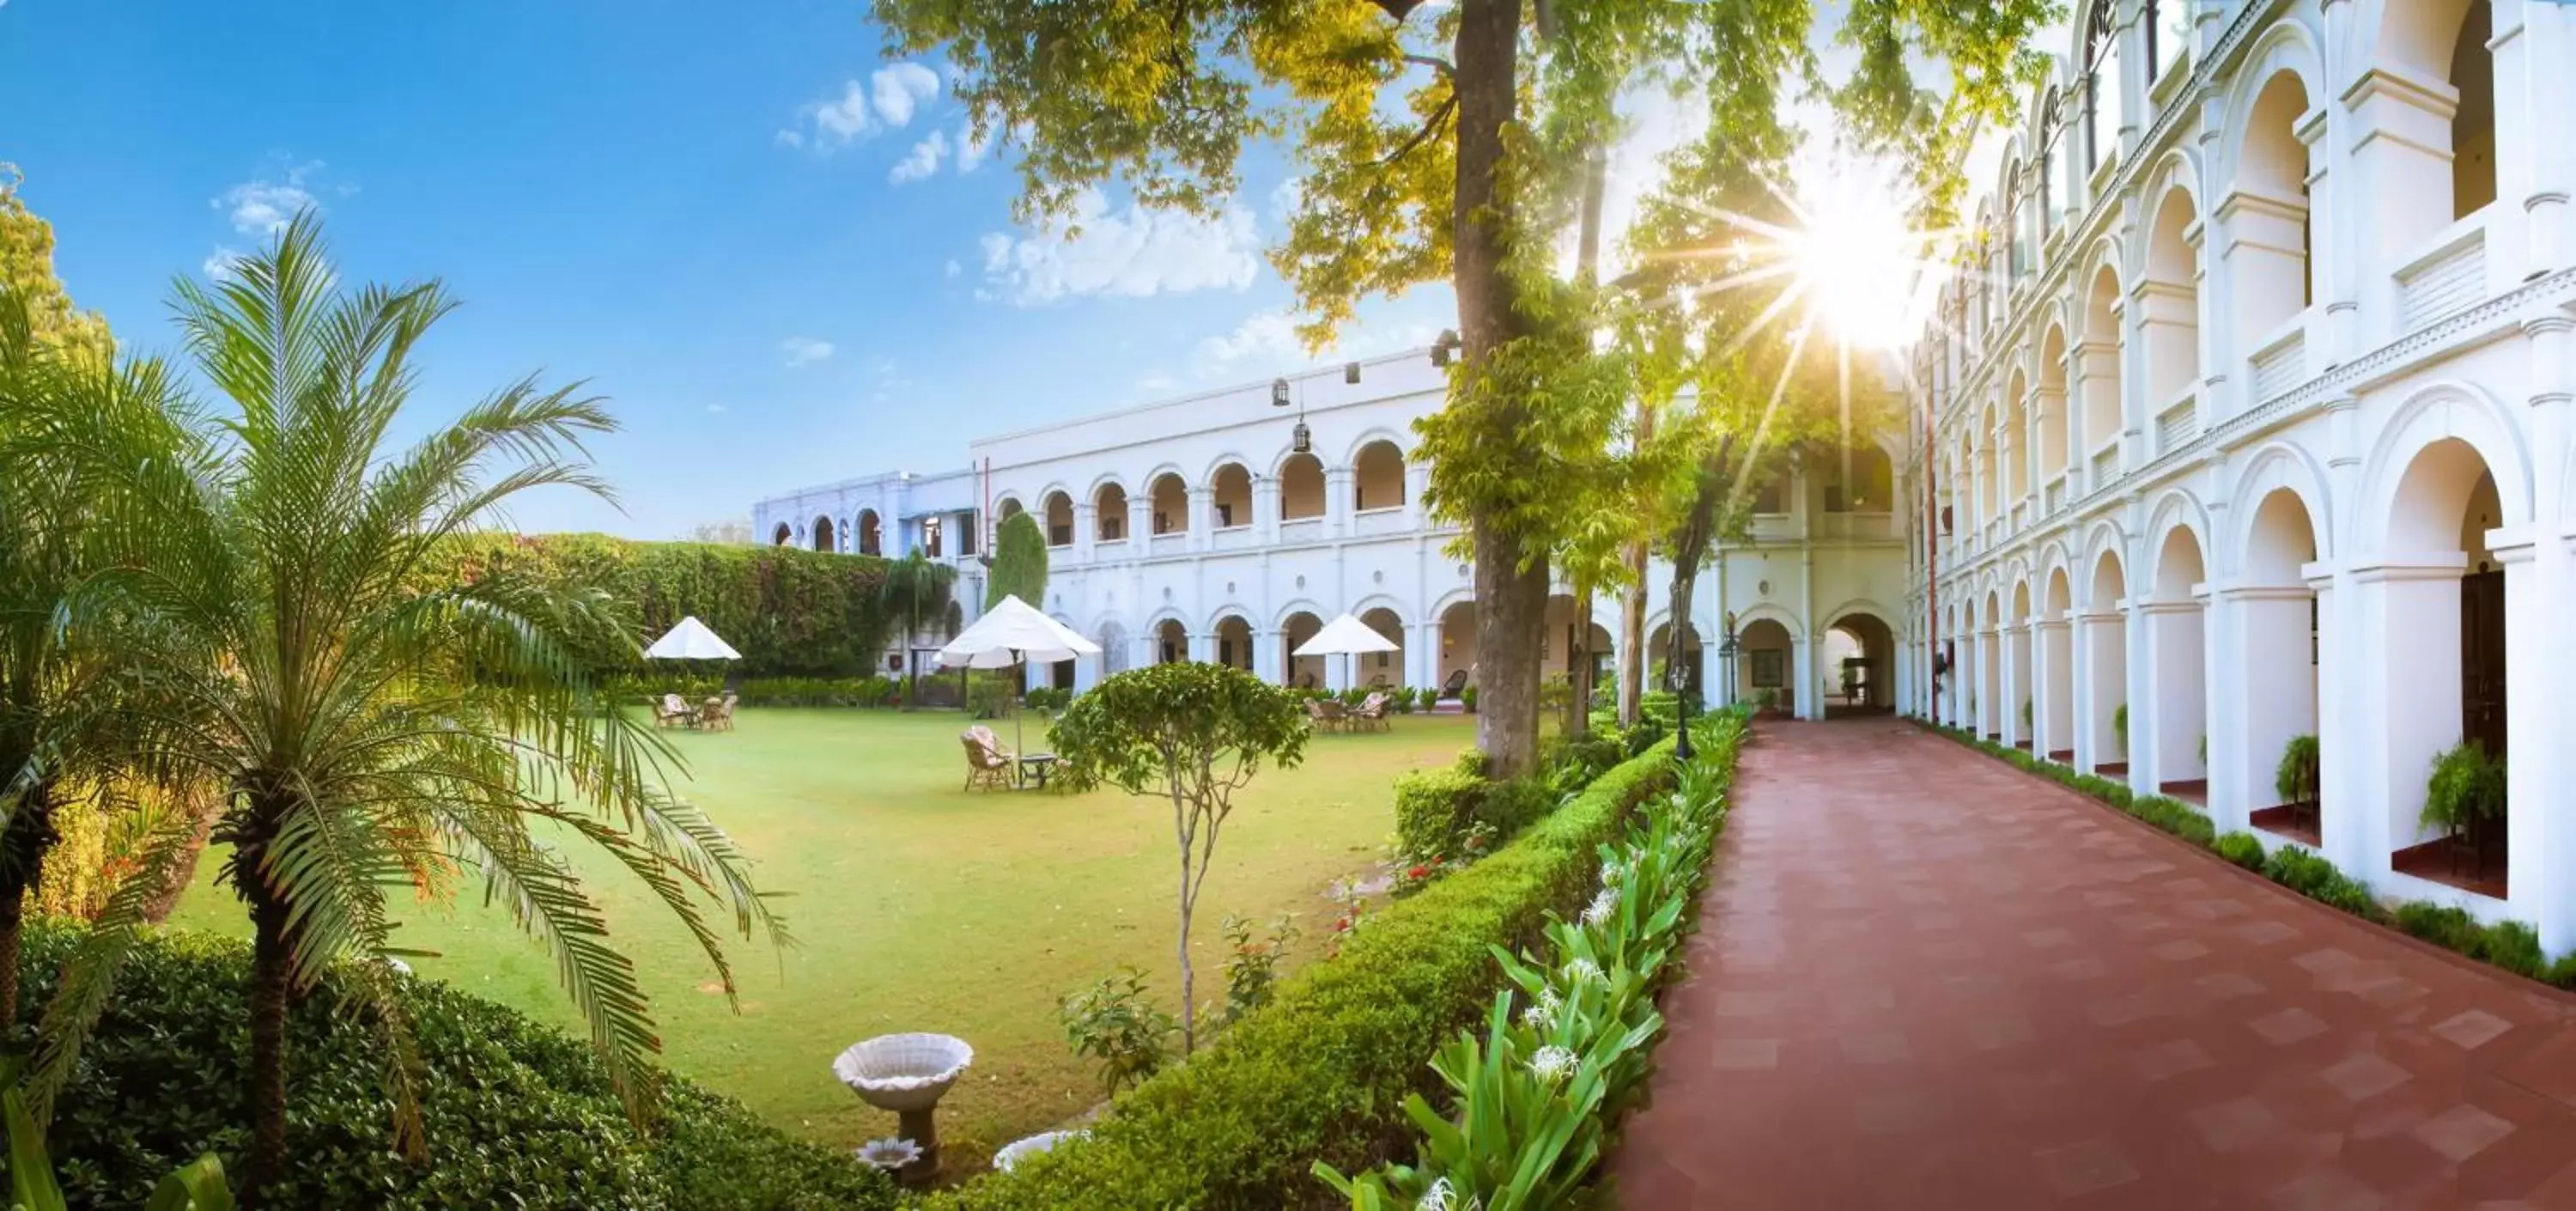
(1038, 766)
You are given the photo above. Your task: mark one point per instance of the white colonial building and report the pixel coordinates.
(2249, 419)
(1228, 528)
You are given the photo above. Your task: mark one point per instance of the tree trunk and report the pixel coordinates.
(1189, 992)
(1578, 680)
(29, 837)
(1690, 547)
(271, 993)
(1511, 603)
(1632, 623)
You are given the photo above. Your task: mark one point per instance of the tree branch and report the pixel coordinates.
(1397, 10)
(1548, 29)
(1439, 117)
(1448, 71)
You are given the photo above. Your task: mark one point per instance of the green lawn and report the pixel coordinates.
(918, 907)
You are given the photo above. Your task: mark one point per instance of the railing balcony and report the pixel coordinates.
(2178, 422)
(2450, 276)
(1171, 544)
(2106, 463)
(1370, 522)
(2053, 497)
(2281, 363)
(1301, 529)
(1232, 538)
(1865, 527)
(2020, 516)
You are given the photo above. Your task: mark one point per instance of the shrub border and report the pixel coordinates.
(2512, 947)
(1322, 1072)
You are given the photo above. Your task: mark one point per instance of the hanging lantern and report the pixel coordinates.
(1302, 441)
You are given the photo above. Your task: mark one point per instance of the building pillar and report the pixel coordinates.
(1337, 501)
(1203, 647)
(1270, 657)
(2056, 713)
(1805, 702)
(1265, 509)
(2015, 651)
(2264, 629)
(1988, 688)
(2402, 164)
(2145, 690)
(1140, 525)
(2101, 675)
(2536, 826)
(1085, 529)
(2340, 724)
(1202, 516)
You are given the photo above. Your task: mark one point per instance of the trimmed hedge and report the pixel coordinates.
(2511, 945)
(1435, 808)
(1321, 1074)
(791, 613)
(519, 1114)
(644, 689)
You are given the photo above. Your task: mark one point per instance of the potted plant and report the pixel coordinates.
(2466, 787)
(2295, 780)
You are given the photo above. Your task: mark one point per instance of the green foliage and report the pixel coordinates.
(790, 612)
(1117, 1023)
(516, 1112)
(1047, 698)
(2295, 780)
(2243, 849)
(2317, 879)
(645, 689)
(1467, 699)
(2511, 945)
(27, 272)
(1435, 810)
(1252, 963)
(2466, 786)
(2120, 725)
(1019, 563)
(1322, 1072)
(989, 694)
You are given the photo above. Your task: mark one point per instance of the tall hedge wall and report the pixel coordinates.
(791, 613)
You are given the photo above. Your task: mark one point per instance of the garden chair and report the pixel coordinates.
(988, 765)
(673, 707)
(717, 714)
(1372, 713)
(1457, 682)
(1326, 714)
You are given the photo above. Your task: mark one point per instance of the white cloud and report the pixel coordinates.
(265, 204)
(1265, 336)
(1266, 341)
(886, 100)
(802, 350)
(923, 160)
(971, 150)
(1128, 251)
(219, 263)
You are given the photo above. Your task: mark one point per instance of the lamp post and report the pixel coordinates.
(1726, 649)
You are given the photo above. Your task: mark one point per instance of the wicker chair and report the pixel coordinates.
(717, 714)
(1372, 713)
(988, 764)
(673, 709)
(1325, 713)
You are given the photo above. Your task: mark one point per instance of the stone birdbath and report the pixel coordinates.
(907, 1074)
(1017, 1150)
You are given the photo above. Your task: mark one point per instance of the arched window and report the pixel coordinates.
(823, 534)
(2168, 26)
(1301, 487)
(1059, 519)
(1109, 512)
(1171, 505)
(2473, 146)
(783, 536)
(2102, 85)
(1377, 479)
(870, 541)
(1230, 494)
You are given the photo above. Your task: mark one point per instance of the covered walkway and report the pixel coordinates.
(1925, 980)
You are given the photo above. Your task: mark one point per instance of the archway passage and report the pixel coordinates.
(1764, 663)
(823, 534)
(1230, 494)
(1301, 487)
(1989, 702)
(1860, 667)
(1234, 642)
(783, 536)
(871, 535)
(1379, 670)
(1171, 505)
(2105, 641)
(1661, 675)
(2277, 613)
(1059, 520)
(1377, 478)
(1109, 513)
(2056, 679)
(2020, 694)
(2446, 658)
(1303, 672)
(1171, 642)
(1457, 667)
(2176, 672)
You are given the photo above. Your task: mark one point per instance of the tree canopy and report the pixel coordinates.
(1019, 563)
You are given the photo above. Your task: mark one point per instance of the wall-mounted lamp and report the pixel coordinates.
(1446, 347)
(1279, 393)
(1351, 374)
(1300, 440)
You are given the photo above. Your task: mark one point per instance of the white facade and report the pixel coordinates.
(2251, 417)
(1194, 529)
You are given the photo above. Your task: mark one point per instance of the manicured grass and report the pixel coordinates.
(919, 907)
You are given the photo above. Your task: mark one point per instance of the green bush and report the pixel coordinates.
(2466, 785)
(2243, 849)
(2317, 879)
(1467, 699)
(791, 613)
(2295, 779)
(643, 689)
(1321, 1074)
(1432, 809)
(518, 1114)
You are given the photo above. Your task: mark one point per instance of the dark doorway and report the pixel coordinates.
(2482, 660)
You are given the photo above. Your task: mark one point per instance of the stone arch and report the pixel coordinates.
(2445, 410)
(2176, 509)
(1233, 635)
(1008, 506)
(1230, 494)
(2279, 466)
(1301, 485)
(783, 536)
(2017, 445)
(1109, 509)
(1857, 659)
(1377, 475)
(870, 533)
(1055, 516)
(1301, 605)
(1167, 497)
(1298, 624)
(2055, 454)
(824, 537)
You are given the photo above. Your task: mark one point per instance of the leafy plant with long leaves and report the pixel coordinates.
(916, 588)
(370, 736)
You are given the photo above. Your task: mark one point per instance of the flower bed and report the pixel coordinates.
(1323, 1072)
(2511, 945)
(1533, 1097)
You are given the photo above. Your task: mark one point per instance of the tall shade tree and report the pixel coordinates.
(27, 270)
(1191, 733)
(916, 588)
(1019, 563)
(371, 737)
(1448, 142)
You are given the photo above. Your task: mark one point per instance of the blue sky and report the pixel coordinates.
(693, 207)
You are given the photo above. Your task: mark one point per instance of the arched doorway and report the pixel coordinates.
(1234, 642)
(1171, 642)
(1380, 670)
(1860, 663)
(1660, 675)
(1302, 672)
(823, 534)
(1457, 667)
(2018, 695)
(1059, 519)
(1377, 478)
(1764, 664)
(1230, 494)
(2178, 766)
(784, 535)
(2056, 650)
(1171, 505)
(1301, 487)
(2106, 653)
(1109, 513)
(2446, 655)
(2277, 614)
(871, 539)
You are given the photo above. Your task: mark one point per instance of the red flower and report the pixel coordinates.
(1343, 924)
(1419, 872)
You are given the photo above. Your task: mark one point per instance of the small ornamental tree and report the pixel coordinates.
(1019, 563)
(1193, 733)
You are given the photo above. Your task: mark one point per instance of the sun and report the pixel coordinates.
(1856, 260)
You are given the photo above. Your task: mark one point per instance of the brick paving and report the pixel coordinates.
(1925, 980)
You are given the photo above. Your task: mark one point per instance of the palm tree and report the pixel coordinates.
(372, 727)
(914, 586)
(61, 699)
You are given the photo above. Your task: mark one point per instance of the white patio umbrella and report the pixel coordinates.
(1010, 633)
(1346, 636)
(691, 640)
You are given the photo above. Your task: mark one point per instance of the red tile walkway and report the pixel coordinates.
(1925, 981)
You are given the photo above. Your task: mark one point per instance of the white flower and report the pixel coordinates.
(1610, 875)
(1552, 1063)
(1542, 1015)
(1602, 906)
(1582, 969)
(889, 1153)
(1438, 1198)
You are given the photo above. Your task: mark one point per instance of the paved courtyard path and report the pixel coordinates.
(1926, 981)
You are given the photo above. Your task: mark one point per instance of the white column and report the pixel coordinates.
(1084, 531)
(2056, 713)
(2408, 698)
(1422, 654)
(1265, 509)
(1203, 647)
(2540, 733)
(1805, 703)
(1140, 525)
(2267, 693)
(2144, 687)
(2015, 650)
(2343, 830)
(1269, 658)
(1337, 501)
(1202, 516)
(2536, 826)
